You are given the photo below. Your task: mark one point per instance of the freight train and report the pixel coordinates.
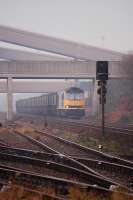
(69, 103)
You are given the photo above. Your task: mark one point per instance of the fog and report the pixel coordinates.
(101, 23)
(51, 85)
(106, 24)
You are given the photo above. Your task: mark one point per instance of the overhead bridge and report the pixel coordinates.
(17, 54)
(55, 45)
(50, 70)
(57, 69)
(76, 61)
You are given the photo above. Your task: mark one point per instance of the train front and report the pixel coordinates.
(74, 102)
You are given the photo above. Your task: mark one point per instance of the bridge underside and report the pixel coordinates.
(31, 86)
(55, 45)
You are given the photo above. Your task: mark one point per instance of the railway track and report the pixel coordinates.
(58, 158)
(73, 149)
(55, 188)
(117, 146)
(50, 168)
(9, 138)
(118, 128)
(125, 129)
(92, 174)
(48, 149)
(79, 150)
(117, 135)
(123, 126)
(52, 186)
(47, 142)
(62, 159)
(120, 172)
(84, 125)
(113, 168)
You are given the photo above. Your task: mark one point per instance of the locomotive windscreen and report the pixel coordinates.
(74, 90)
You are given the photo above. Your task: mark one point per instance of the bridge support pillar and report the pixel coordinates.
(95, 99)
(9, 99)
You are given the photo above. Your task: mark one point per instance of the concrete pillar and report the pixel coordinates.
(77, 83)
(95, 99)
(9, 99)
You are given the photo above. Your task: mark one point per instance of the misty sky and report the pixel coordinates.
(104, 23)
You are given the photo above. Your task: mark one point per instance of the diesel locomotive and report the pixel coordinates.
(68, 103)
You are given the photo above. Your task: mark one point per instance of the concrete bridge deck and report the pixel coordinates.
(57, 69)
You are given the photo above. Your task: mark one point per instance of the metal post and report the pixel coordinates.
(95, 100)
(102, 76)
(103, 116)
(9, 98)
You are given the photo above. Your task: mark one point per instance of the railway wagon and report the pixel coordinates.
(68, 103)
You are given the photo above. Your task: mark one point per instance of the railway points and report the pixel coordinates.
(115, 167)
(19, 167)
(91, 166)
(119, 137)
(116, 170)
(116, 139)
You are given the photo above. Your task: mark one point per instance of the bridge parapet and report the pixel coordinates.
(57, 69)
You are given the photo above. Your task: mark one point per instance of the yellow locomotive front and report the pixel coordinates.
(74, 102)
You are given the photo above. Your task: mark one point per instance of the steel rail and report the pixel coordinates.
(59, 185)
(41, 167)
(62, 159)
(75, 162)
(97, 127)
(119, 170)
(95, 153)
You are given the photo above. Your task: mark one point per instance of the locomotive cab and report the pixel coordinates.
(74, 102)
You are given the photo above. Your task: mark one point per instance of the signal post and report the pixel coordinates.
(102, 77)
